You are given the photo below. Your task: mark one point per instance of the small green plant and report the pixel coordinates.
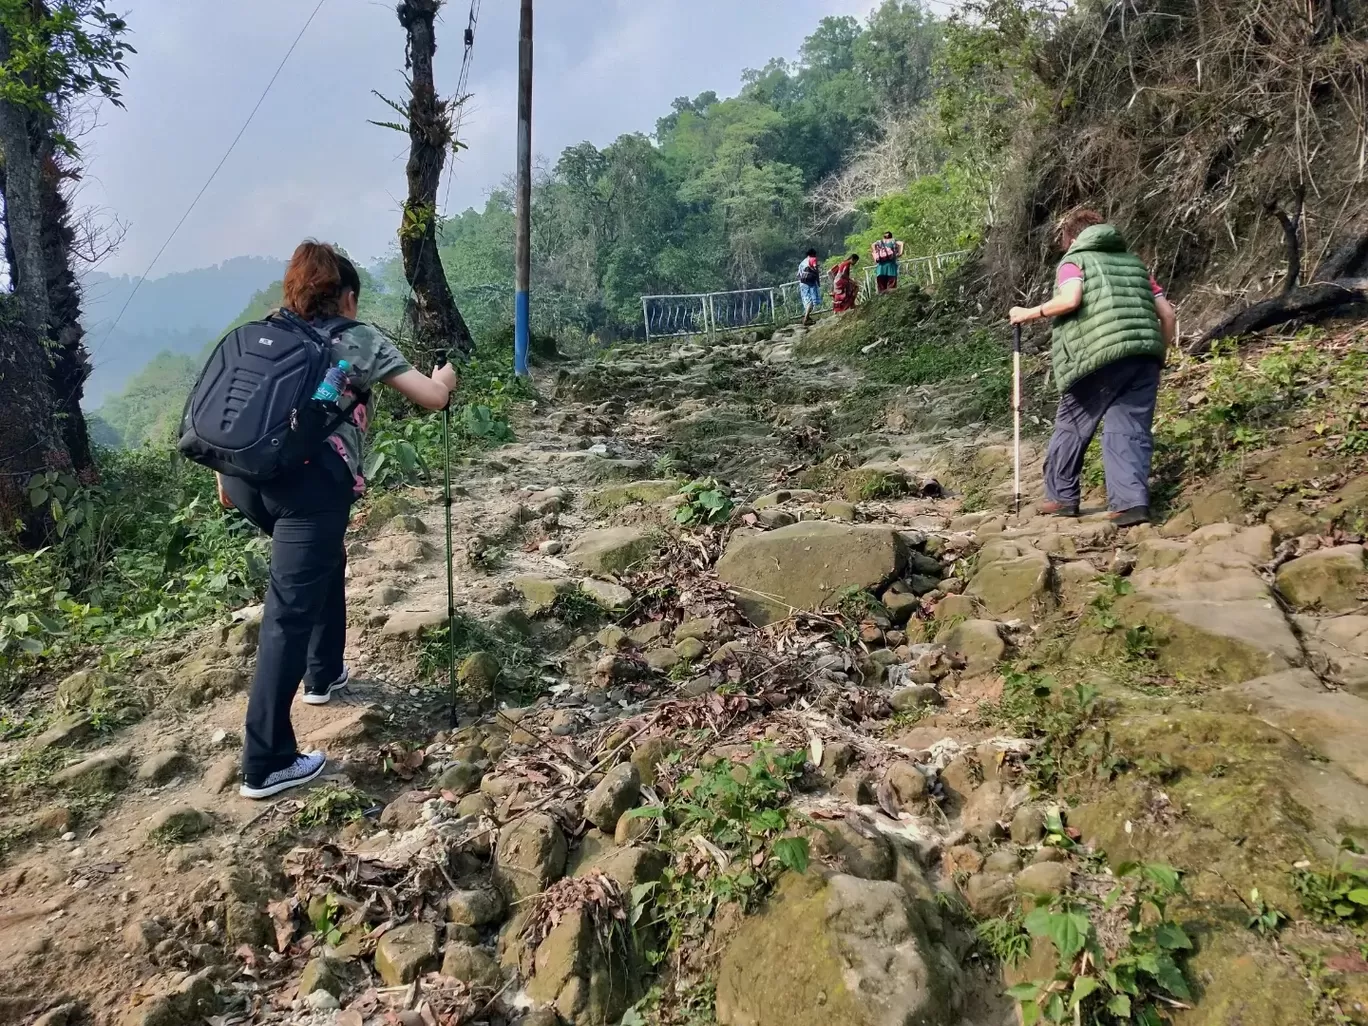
(577, 610)
(739, 809)
(1338, 897)
(666, 465)
(857, 604)
(1137, 984)
(481, 424)
(1005, 937)
(705, 502)
(1066, 724)
(1263, 918)
(1141, 644)
(324, 916)
(332, 806)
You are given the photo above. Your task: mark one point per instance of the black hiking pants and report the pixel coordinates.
(304, 624)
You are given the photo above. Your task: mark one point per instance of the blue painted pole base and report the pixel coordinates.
(522, 331)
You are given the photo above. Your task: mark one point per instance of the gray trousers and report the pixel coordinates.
(1121, 397)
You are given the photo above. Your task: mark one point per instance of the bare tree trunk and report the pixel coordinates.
(30, 441)
(23, 207)
(66, 338)
(432, 314)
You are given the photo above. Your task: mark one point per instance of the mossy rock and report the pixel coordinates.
(1237, 803)
(85, 688)
(836, 950)
(1240, 978)
(868, 483)
(615, 497)
(385, 507)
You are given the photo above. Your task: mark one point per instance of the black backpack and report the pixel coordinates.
(809, 274)
(251, 414)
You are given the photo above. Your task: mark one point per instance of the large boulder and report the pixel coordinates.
(837, 950)
(80, 689)
(589, 982)
(1014, 587)
(405, 953)
(541, 593)
(614, 497)
(613, 550)
(615, 794)
(808, 565)
(1338, 649)
(530, 855)
(1331, 724)
(977, 644)
(103, 771)
(1330, 580)
(184, 999)
(1212, 616)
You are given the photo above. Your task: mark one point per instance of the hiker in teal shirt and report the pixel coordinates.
(1112, 329)
(886, 252)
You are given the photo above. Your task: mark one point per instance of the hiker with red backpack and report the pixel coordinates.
(845, 290)
(886, 252)
(280, 413)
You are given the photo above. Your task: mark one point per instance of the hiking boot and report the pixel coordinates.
(304, 769)
(1131, 517)
(1057, 509)
(321, 694)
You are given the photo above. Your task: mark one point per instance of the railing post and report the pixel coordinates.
(774, 317)
(646, 316)
(712, 315)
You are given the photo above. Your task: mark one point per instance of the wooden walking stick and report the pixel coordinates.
(1016, 418)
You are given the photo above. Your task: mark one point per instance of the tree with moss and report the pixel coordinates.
(53, 55)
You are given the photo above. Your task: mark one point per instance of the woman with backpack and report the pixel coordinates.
(305, 511)
(810, 285)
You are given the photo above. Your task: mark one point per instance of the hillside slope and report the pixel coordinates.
(1192, 125)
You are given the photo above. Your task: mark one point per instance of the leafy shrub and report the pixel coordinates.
(146, 550)
(705, 502)
(1337, 897)
(1136, 984)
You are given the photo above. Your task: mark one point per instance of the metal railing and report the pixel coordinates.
(707, 313)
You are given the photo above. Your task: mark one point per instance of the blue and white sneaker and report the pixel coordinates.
(304, 769)
(321, 694)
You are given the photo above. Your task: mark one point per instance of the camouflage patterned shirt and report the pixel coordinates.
(372, 358)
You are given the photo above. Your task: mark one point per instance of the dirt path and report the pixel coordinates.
(1229, 655)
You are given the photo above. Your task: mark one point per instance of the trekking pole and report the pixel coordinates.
(1016, 419)
(451, 583)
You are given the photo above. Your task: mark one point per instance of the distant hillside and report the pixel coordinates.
(179, 314)
(146, 406)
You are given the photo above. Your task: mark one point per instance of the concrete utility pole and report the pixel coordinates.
(523, 247)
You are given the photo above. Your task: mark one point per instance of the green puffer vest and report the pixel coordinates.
(1117, 318)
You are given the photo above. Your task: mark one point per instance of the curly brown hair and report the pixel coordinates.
(1072, 224)
(317, 279)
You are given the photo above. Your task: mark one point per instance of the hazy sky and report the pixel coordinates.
(310, 165)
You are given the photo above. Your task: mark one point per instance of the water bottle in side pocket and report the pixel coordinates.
(333, 384)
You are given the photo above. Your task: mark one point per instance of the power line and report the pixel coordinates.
(214, 174)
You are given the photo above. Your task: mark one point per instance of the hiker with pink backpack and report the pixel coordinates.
(886, 252)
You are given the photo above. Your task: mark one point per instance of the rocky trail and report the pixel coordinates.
(780, 768)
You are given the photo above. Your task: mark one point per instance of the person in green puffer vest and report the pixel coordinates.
(1112, 329)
